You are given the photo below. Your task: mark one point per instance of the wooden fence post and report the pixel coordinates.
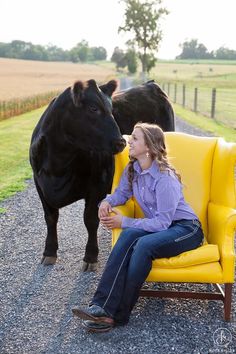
(183, 101)
(168, 89)
(195, 99)
(213, 103)
(175, 94)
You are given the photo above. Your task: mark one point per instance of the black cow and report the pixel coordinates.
(146, 103)
(72, 150)
(71, 154)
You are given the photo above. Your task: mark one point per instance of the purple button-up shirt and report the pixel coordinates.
(159, 194)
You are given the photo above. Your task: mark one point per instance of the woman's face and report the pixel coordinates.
(137, 145)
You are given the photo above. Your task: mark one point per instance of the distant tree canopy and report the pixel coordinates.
(119, 58)
(142, 21)
(26, 50)
(123, 59)
(193, 50)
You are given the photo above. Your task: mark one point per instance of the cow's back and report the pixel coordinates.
(144, 103)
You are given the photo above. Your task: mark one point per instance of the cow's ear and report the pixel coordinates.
(77, 93)
(109, 88)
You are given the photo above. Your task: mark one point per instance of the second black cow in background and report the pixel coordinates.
(146, 103)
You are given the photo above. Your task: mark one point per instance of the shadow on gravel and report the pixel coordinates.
(24, 297)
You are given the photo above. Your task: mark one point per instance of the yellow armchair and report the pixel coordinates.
(207, 168)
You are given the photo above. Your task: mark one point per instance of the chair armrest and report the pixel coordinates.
(127, 210)
(115, 235)
(221, 231)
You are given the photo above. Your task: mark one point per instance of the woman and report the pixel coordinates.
(169, 228)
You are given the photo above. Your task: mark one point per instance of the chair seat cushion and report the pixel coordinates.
(203, 254)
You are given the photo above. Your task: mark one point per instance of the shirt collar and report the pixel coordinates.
(153, 170)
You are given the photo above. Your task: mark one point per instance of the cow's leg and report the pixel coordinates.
(91, 222)
(51, 217)
(51, 245)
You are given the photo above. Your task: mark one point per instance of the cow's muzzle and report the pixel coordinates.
(118, 145)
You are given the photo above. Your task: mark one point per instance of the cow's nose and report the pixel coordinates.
(119, 145)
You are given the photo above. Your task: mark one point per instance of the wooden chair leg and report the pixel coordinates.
(228, 301)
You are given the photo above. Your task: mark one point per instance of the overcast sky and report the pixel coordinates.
(65, 23)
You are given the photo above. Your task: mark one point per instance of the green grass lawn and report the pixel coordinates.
(225, 109)
(197, 73)
(15, 135)
(204, 75)
(206, 124)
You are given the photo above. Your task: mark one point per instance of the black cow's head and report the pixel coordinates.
(90, 120)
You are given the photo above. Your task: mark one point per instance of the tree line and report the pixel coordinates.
(193, 50)
(141, 21)
(82, 52)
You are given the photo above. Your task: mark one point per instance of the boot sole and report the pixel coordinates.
(87, 316)
(97, 330)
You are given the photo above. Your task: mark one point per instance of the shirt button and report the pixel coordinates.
(150, 208)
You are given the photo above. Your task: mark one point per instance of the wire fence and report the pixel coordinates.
(218, 104)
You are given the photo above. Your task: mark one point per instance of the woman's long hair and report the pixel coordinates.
(155, 140)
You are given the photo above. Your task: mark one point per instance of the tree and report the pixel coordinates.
(83, 50)
(74, 56)
(131, 58)
(225, 54)
(119, 57)
(142, 21)
(151, 61)
(57, 54)
(98, 53)
(194, 50)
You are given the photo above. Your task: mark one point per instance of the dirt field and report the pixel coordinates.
(21, 78)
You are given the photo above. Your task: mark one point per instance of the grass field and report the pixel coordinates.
(204, 75)
(15, 135)
(200, 74)
(21, 78)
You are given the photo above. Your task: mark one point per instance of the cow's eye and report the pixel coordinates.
(93, 108)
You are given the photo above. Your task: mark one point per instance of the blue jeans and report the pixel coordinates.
(131, 260)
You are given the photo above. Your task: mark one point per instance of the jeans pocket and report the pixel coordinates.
(190, 234)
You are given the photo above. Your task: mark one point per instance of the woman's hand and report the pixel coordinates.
(104, 209)
(113, 221)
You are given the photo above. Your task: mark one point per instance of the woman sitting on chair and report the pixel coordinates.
(169, 228)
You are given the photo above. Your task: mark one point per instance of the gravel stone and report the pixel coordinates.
(36, 301)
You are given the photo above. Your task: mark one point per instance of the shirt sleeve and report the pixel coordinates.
(168, 192)
(122, 193)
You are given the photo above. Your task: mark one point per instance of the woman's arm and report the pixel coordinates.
(122, 193)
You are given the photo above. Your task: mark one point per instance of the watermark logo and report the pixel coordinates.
(222, 337)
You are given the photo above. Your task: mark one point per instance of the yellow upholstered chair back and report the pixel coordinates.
(193, 158)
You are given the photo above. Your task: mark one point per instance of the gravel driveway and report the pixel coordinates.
(36, 301)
